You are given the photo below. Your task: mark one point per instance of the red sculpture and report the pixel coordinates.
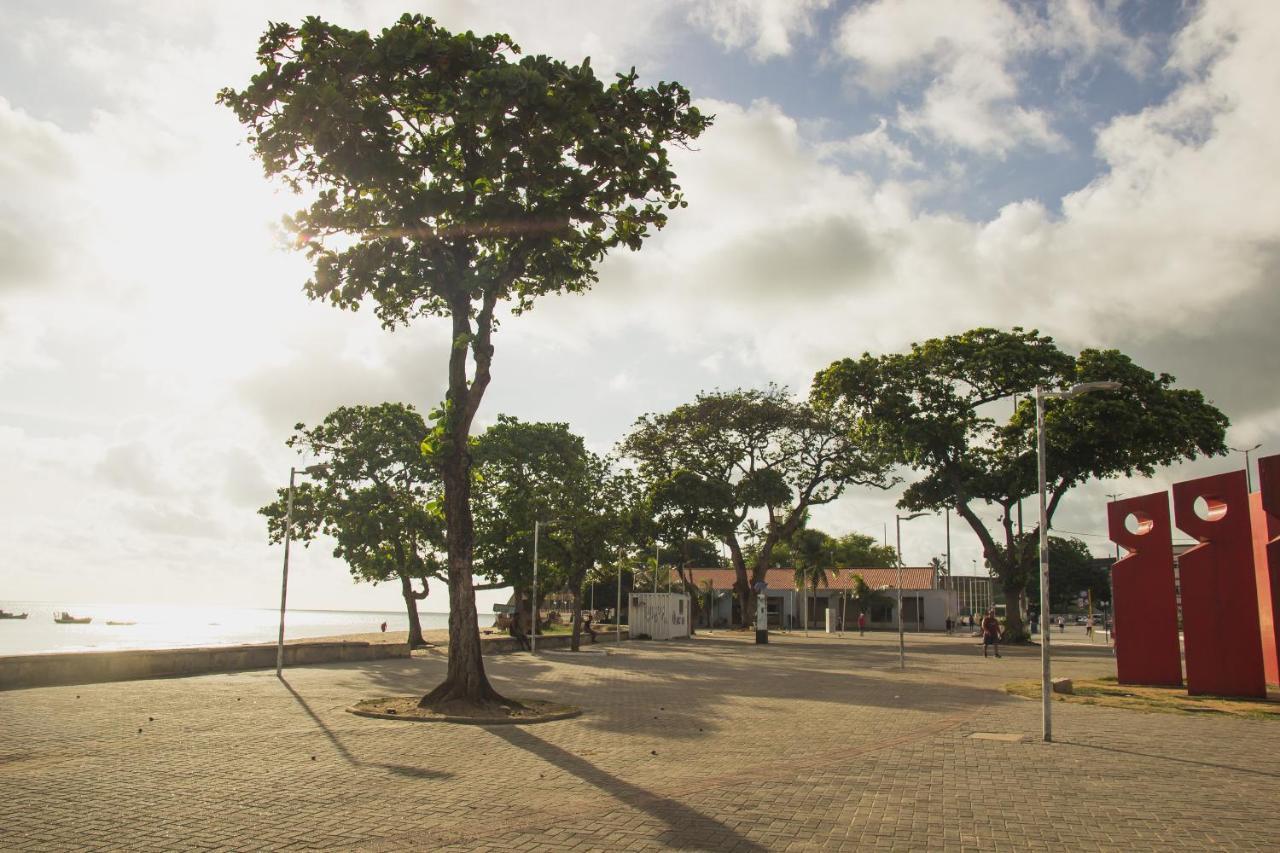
(1146, 607)
(1219, 592)
(1265, 509)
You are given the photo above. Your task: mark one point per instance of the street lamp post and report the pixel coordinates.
(902, 640)
(533, 605)
(312, 471)
(1046, 684)
(1106, 623)
(1248, 475)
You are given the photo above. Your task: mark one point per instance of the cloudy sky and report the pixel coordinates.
(879, 172)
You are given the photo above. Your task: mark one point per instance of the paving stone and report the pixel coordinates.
(804, 744)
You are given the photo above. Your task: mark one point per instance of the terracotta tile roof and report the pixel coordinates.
(913, 577)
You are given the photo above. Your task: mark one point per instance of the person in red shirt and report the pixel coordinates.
(990, 632)
(862, 623)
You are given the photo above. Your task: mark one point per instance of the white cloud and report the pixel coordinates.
(967, 54)
(874, 146)
(767, 28)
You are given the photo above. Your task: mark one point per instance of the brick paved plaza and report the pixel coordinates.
(715, 743)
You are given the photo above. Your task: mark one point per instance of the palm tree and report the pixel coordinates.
(863, 596)
(808, 547)
(709, 593)
(810, 575)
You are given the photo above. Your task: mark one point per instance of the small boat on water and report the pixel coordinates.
(65, 618)
(110, 622)
(5, 614)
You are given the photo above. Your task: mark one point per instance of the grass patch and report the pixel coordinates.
(1160, 700)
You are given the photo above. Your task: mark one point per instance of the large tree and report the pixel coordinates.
(941, 408)
(378, 499)
(448, 177)
(764, 458)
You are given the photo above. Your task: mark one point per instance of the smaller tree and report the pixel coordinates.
(863, 597)
(1072, 571)
(858, 550)
(685, 507)
(764, 459)
(377, 498)
(542, 473)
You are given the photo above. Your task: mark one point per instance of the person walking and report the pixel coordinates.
(990, 632)
(1062, 625)
(862, 623)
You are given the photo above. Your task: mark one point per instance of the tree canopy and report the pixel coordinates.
(938, 409)
(755, 460)
(1073, 571)
(542, 472)
(446, 175)
(856, 550)
(378, 498)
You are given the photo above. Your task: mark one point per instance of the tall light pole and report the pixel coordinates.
(533, 601)
(1106, 623)
(617, 618)
(1115, 496)
(1248, 475)
(656, 564)
(533, 605)
(1046, 684)
(951, 582)
(311, 471)
(902, 640)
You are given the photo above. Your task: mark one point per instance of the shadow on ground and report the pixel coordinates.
(349, 756)
(687, 828)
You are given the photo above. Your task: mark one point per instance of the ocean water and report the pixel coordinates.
(166, 626)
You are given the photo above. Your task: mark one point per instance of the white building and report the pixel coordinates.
(926, 603)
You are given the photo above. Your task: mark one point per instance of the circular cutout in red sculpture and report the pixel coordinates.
(1138, 523)
(1210, 508)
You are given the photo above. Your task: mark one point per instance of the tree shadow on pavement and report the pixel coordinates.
(1158, 757)
(687, 828)
(350, 757)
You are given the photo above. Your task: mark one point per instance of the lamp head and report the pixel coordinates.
(316, 470)
(1086, 387)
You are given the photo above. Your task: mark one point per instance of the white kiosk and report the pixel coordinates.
(660, 615)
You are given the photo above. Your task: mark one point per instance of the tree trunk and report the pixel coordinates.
(1014, 629)
(741, 586)
(465, 685)
(575, 641)
(411, 605)
(690, 590)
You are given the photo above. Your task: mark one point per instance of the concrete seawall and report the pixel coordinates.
(503, 645)
(45, 670)
(62, 668)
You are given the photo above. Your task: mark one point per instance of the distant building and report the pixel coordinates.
(927, 598)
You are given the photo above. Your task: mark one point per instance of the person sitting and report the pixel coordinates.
(586, 626)
(516, 630)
